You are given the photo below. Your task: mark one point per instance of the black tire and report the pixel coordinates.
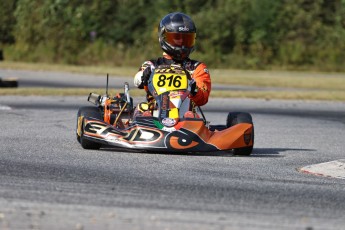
(235, 118)
(87, 111)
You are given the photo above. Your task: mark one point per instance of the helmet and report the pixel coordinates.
(177, 33)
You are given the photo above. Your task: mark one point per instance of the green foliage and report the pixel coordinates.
(256, 34)
(7, 21)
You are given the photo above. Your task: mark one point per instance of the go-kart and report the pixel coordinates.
(168, 123)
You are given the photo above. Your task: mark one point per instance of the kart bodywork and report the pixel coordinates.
(168, 124)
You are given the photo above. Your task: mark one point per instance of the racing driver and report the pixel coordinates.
(177, 33)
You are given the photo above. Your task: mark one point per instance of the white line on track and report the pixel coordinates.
(335, 169)
(5, 107)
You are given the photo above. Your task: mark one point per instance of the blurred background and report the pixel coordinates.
(242, 34)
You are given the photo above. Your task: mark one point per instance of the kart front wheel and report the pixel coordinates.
(235, 118)
(87, 111)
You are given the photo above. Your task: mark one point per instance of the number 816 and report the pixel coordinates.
(172, 80)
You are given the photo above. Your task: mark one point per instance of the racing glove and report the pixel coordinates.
(193, 88)
(146, 75)
(142, 77)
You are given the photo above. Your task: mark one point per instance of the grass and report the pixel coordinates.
(281, 79)
(310, 85)
(97, 70)
(285, 95)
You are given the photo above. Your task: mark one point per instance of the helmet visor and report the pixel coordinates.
(180, 39)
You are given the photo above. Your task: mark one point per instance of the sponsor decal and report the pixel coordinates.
(175, 94)
(164, 106)
(146, 135)
(170, 129)
(183, 140)
(206, 71)
(165, 102)
(168, 122)
(183, 28)
(112, 139)
(247, 138)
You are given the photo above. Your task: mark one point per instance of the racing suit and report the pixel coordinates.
(197, 70)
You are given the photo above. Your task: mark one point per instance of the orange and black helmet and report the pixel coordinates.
(177, 33)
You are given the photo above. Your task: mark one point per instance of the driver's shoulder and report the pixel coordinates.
(194, 64)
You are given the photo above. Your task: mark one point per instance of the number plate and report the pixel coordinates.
(164, 82)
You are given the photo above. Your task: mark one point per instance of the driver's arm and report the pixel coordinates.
(202, 78)
(139, 77)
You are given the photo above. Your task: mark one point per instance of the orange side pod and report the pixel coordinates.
(237, 136)
(233, 137)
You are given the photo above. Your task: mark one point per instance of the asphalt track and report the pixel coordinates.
(47, 181)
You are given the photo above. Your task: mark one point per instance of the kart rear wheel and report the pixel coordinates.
(87, 111)
(235, 118)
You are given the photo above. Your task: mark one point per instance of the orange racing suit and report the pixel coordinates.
(198, 71)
